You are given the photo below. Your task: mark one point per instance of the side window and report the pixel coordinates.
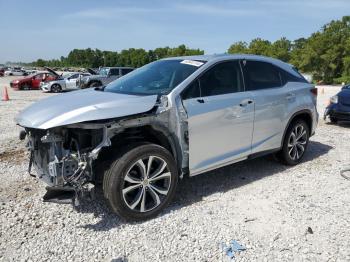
(261, 75)
(126, 71)
(39, 76)
(288, 77)
(74, 76)
(192, 91)
(224, 78)
(114, 71)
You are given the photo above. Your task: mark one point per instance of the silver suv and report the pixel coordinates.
(103, 77)
(178, 116)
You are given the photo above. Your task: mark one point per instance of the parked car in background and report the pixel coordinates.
(15, 72)
(104, 76)
(65, 83)
(173, 117)
(33, 81)
(339, 106)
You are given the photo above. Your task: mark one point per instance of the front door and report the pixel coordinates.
(71, 82)
(36, 80)
(220, 118)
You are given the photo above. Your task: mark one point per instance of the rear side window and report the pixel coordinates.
(126, 71)
(288, 77)
(114, 71)
(261, 75)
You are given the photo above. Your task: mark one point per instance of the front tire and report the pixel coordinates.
(333, 120)
(141, 182)
(56, 88)
(25, 86)
(295, 143)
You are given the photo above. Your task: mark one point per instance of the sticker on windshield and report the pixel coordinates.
(192, 62)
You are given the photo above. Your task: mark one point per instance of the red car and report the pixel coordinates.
(33, 81)
(2, 72)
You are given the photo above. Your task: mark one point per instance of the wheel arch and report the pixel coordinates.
(155, 134)
(305, 115)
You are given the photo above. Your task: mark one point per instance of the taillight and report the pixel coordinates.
(314, 91)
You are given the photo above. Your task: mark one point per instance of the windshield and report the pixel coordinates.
(159, 77)
(104, 71)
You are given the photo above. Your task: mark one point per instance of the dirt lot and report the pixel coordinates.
(263, 205)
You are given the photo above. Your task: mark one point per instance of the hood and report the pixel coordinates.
(81, 106)
(52, 71)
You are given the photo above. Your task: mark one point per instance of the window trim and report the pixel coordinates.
(209, 68)
(282, 82)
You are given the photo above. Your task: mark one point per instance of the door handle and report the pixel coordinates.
(200, 100)
(245, 102)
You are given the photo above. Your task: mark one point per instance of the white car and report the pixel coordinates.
(15, 72)
(65, 83)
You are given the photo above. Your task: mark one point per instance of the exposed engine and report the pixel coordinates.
(63, 157)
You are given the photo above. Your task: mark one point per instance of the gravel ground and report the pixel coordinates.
(263, 205)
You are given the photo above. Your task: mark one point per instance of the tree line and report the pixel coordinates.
(95, 58)
(325, 54)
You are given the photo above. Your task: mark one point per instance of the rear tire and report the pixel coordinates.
(295, 143)
(141, 181)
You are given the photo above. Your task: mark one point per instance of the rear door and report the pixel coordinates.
(220, 118)
(265, 83)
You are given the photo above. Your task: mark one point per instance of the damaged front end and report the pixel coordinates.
(62, 158)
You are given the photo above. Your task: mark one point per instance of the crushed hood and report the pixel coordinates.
(81, 106)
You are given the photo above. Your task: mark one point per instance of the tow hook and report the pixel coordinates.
(22, 134)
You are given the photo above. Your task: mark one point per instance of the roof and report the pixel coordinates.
(221, 57)
(119, 67)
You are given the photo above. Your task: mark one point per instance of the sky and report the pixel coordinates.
(49, 29)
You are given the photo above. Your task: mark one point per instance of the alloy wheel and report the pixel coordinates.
(146, 184)
(297, 142)
(55, 88)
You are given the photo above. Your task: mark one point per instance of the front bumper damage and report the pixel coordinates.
(72, 158)
(62, 158)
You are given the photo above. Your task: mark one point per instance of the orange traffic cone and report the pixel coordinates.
(5, 96)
